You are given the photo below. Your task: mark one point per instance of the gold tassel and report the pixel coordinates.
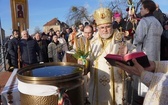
(113, 86)
(75, 42)
(123, 90)
(87, 45)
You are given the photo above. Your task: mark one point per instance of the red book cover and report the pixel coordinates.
(141, 58)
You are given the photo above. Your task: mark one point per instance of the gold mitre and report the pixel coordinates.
(103, 16)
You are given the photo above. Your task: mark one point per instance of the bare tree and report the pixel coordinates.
(117, 4)
(37, 29)
(122, 5)
(77, 14)
(138, 2)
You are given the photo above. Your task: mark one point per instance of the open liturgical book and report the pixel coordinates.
(141, 58)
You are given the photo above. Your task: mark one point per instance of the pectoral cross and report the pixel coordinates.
(123, 48)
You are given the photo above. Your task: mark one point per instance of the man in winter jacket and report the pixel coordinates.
(29, 49)
(13, 49)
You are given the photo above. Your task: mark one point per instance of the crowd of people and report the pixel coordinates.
(108, 34)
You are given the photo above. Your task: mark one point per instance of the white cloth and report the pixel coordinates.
(142, 89)
(30, 89)
(157, 83)
(147, 39)
(36, 89)
(15, 93)
(158, 90)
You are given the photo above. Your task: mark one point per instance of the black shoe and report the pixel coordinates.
(87, 102)
(10, 69)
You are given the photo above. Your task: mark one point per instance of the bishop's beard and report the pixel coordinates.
(106, 36)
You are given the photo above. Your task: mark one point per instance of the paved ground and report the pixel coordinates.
(3, 79)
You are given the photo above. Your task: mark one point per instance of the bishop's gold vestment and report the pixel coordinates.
(105, 87)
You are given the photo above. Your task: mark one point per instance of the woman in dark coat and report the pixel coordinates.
(43, 53)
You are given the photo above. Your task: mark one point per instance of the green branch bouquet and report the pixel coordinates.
(81, 59)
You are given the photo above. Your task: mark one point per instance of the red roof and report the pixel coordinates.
(52, 22)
